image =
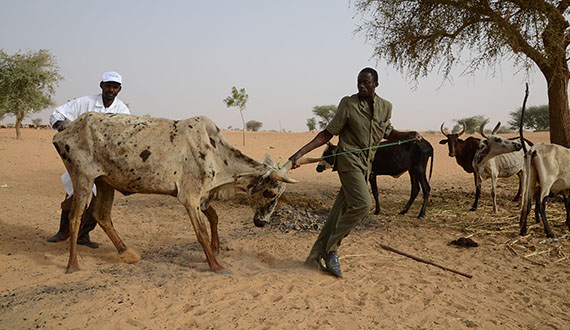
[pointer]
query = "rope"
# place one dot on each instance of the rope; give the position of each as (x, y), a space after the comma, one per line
(358, 150)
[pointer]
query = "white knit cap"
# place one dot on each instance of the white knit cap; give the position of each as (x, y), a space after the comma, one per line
(112, 76)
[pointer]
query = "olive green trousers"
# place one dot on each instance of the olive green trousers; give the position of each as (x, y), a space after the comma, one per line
(351, 205)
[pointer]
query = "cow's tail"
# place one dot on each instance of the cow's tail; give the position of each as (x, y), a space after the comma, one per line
(430, 166)
(527, 188)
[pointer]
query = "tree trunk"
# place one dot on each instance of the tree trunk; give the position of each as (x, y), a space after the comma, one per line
(558, 108)
(19, 118)
(243, 126)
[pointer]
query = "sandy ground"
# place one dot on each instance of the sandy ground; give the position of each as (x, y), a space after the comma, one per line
(517, 283)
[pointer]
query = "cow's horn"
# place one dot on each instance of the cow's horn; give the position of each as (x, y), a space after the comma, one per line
(281, 176)
(307, 160)
(443, 131)
(482, 129)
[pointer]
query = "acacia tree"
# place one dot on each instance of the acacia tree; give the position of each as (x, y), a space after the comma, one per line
(534, 118)
(253, 125)
(27, 83)
(312, 124)
(418, 36)
(471, 124)
(325, 113)
(238, 99)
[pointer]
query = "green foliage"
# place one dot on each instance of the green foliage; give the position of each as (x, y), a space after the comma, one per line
(238, 99)
(325, 114)
(420, 36)
(536, 118)
(471, 124)
(312, 124)
(27, 83)
(253, 125)
(417, 35)
(37, 121)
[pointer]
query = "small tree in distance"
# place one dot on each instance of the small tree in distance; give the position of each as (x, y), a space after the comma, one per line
(37, 122)
(27, 83)
(238, 99)
(253, 125)
(312, 124)
(536, 118)
(471, 124)
(325, 113)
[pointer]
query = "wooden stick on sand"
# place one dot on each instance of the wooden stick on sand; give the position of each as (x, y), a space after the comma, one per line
(391, 249)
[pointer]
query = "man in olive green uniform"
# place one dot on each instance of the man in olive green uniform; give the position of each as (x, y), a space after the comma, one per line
(361, 121)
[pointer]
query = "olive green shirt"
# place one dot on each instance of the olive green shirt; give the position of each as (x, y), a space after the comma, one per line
(359, 128)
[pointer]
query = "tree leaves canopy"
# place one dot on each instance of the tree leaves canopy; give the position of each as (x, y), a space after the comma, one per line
(27, 81)
(536, 118)
(325, 114)
(311, 123)
(253, 125)
(471, 124)
(416, 36)
(237, 99)
(421, 36)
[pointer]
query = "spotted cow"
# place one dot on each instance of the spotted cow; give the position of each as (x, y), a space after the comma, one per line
(497, 157)
(187, 159)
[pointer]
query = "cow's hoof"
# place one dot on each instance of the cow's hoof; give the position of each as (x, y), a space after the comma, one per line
(71, 269)
(421, 216)
(473, 209)
(130, 256)
(58, 237)
(259, 223)
(550, 235)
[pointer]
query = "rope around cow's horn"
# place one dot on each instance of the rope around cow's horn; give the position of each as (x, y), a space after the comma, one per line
(308, 160)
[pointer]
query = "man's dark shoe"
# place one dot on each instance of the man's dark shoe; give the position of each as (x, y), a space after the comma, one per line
(332, 263)
(85, 240)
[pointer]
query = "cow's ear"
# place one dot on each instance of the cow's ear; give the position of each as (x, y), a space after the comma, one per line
(268, 161)
(443, 141)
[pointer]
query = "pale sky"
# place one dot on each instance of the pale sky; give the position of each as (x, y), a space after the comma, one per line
(180, 59)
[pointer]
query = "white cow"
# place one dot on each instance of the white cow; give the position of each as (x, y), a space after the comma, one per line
(546, 165)
(188, 159)
(497, 157)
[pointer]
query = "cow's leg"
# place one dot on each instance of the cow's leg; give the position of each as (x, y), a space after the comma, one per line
(82, 192)
(102, 207)
(201, 231)
(567, 206)
(527, 197)
(414, 191)
(494, 193)
(213, 219)
(547, 229)
(537, 214)
(518, 195)
(477, 193)
(374, 187)
(426, 190)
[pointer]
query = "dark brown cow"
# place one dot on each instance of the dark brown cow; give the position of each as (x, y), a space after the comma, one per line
(464, 152)
(395, 160)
